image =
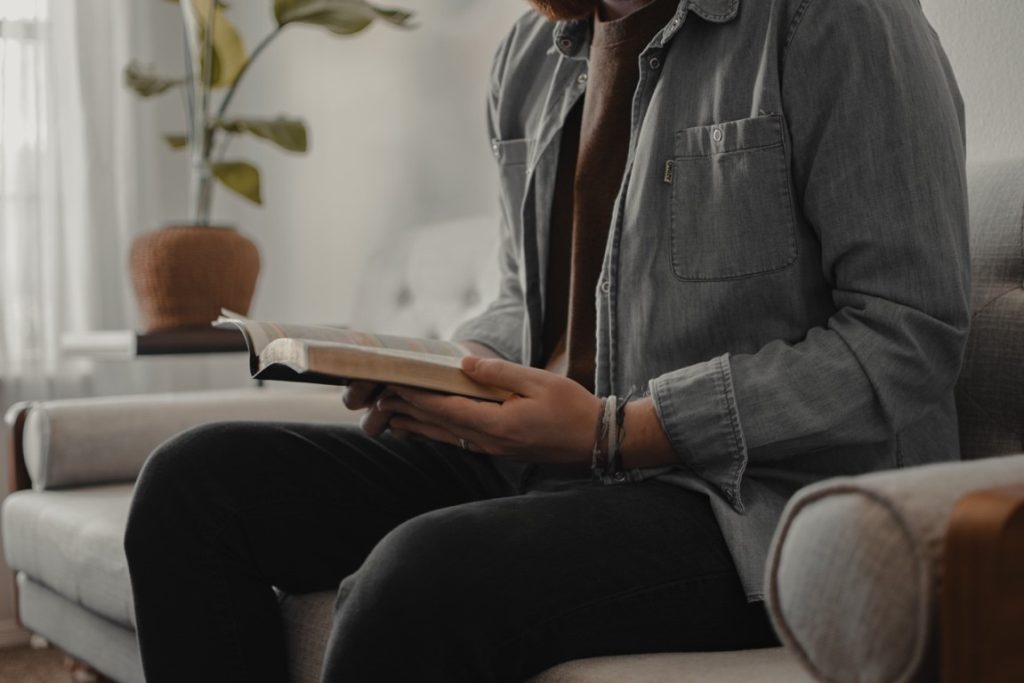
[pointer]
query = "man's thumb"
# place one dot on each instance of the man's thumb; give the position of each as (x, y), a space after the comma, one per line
(499, 373)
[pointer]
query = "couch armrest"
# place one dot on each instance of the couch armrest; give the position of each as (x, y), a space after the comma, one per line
(17, 473)
(983, 588)
(856, 567)
(76, 442)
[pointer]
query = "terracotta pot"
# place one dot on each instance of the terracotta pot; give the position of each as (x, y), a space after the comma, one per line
(183, 275)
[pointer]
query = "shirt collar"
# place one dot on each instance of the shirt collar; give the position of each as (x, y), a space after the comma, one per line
(571, 36)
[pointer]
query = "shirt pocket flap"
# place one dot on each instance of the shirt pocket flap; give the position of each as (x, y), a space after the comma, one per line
(511, 152)
(729, 136)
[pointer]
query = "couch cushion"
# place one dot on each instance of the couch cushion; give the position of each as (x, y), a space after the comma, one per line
(307, 626)
(990, 392)
(71, 542)
(426, 281)
(307, 620)
(74, 442)
(771, 665)
(108, 647)
(853, 575)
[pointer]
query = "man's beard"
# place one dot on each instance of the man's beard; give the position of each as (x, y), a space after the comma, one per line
(562, 10)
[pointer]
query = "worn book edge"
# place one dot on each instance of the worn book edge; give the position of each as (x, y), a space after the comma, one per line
(328, 362)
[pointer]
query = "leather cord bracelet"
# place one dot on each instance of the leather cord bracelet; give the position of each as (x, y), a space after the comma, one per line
(606, 462)
(598, 458)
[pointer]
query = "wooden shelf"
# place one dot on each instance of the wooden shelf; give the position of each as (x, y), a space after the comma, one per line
(194, 340)
(126, 344)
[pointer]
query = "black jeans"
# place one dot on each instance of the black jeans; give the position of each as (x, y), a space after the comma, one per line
(452, 566)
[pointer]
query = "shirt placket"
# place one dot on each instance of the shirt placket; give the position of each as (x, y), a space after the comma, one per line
(569, 84)
(651, 61)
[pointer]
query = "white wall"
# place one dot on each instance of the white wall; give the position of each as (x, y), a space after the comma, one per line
(984, 42)
(397, 137)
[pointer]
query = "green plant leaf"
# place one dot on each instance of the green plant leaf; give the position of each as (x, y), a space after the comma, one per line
(176, 140)
(145, 82)
(287, 133)
(229, 53)
(342, 17)
(240, 177)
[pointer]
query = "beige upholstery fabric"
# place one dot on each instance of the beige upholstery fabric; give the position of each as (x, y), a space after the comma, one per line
(854, 569)
(430, 279)
(307, 626)
(772, 665)
(990, 393)
(110, 648)
(307, 620)
(72, 543)
(98, 440)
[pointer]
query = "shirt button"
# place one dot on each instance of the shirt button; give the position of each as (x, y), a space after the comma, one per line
(605, 286)
(717, 135)
(620, 476)
(582, 79)
(565, 44)
(655, 63)
(494, 147)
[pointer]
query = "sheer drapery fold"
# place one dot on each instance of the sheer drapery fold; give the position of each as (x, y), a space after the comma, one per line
(64, 183)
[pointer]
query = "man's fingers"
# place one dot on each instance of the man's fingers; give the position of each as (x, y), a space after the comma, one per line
(402, 424)
(410, 425)
(502, 374)
(397, 405)
(374, 421)
(360, 394)
(442, 410)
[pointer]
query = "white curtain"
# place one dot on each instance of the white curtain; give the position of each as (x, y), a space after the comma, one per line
(65, 185)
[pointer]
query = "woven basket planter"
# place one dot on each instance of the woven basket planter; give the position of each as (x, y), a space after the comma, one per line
(184, 275)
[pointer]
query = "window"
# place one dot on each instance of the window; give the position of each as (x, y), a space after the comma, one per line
(26, 173)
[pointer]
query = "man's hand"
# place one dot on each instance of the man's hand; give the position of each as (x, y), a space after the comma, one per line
(549, 418)
(360, 394)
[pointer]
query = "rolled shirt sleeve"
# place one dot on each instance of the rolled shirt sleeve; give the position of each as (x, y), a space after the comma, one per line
(706, 433)
(876, 131)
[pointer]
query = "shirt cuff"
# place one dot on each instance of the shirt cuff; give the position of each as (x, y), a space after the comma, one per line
(697, 409)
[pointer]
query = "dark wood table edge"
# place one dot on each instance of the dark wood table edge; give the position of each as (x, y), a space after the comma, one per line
(191, 340)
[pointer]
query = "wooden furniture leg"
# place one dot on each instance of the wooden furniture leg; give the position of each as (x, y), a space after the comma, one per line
(983, 589)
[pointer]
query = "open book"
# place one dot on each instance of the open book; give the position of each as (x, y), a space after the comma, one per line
(335, 355)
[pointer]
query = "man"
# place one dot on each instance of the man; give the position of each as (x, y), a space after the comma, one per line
(753, 213)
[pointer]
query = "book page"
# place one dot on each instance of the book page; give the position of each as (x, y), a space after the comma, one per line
(261, 333)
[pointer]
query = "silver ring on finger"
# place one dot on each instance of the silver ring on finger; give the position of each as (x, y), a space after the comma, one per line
(463, 444)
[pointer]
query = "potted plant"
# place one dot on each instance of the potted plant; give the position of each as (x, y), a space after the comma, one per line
(184, 274)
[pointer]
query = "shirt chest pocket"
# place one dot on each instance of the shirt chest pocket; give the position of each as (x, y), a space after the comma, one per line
(732, 212)
(511, 156)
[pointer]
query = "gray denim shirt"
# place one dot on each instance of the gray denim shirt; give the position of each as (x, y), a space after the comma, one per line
(787, 268)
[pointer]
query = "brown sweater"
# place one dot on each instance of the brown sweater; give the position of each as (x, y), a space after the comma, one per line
(592, 159)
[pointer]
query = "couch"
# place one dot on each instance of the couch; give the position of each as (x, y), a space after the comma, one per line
(892, 576)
